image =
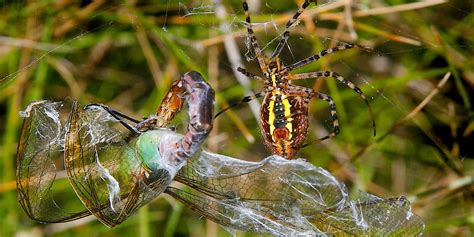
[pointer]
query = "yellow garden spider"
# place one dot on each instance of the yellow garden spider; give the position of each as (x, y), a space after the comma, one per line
(284, 112)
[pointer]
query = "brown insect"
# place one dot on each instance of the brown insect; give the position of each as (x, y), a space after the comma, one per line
(284, 112)
(98, 156)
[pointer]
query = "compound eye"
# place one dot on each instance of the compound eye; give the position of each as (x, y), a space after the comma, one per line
(266, 74)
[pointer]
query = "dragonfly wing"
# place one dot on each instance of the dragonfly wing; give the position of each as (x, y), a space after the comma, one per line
(270, 196)
(234, 213)
(39, 152)
(371, 216)
(104, 168)
(293, 193)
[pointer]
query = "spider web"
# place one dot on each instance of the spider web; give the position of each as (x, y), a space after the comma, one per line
(272, 29)
(389, 40)
(268, 33)
(107, 176)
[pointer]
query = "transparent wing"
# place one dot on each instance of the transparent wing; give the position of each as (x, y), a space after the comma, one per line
(287, 196)
(370, 215)
(236, 214)
(275, 196)
(39, 165)
(104, 167)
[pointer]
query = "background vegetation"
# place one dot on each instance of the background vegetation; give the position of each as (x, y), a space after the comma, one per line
(126, 53)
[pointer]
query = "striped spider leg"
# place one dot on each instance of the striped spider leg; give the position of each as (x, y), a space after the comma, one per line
(253, 40)
(289, 24)
(308, 95)
(262, 59)
(316, 57)
(339, 78)
(284, 111)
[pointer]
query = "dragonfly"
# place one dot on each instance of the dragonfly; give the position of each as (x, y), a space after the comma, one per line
(115, 164)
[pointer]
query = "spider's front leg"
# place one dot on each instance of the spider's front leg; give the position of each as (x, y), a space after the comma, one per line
(253, 40)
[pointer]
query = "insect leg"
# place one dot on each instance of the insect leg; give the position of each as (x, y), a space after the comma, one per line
(308, 94)
(112, 112)
(117, 115)
(288, 26)
(249, 74)
(325, 52)
(253, 39)
(244, 100)
(335, 121)
(341, 79)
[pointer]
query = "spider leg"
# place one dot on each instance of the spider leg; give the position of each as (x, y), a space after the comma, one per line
(308, 94)
(334, 119)
(246, 99)
(253, 39)
(323, 53)
(288, 26)
(341, 79)
(249, 74)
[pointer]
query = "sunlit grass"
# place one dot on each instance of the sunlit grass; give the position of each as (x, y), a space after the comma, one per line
(126, 55)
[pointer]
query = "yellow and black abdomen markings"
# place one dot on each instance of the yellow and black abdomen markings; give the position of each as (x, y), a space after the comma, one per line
(279, 118)
(284, 123)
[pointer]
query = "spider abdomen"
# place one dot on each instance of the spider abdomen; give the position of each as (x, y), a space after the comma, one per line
(284, 123)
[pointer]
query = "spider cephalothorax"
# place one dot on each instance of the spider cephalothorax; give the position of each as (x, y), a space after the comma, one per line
(284, 111)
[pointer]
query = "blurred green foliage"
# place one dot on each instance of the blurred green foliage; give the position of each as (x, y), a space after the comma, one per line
(126, 54)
